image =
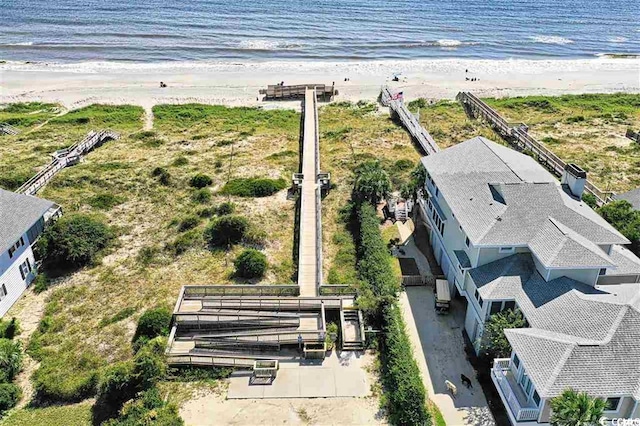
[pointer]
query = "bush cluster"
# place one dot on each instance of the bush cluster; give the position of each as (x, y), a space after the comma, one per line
(200, 181)
(163, 175)
(625, 219)
(74, 241)
(9, 329)
(201, 196)
(9, 396)
(188, 222)
(10, 364)
(253, 187)
(153, 323)
(148, 408)
(105, 201)
(401, 375)
(251, 264)
(226, 230)
(406, 396)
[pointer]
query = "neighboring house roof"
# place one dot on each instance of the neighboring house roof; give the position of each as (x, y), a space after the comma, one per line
(18, 213)
(502, 197)
(632, 196)
(626, 262)
(580, 336)
(463, 258)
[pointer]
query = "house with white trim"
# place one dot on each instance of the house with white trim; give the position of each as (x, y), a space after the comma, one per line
(509, 235)
(22, 220)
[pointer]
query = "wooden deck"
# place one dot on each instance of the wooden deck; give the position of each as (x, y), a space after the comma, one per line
(518, 136)
(298, 91)
(309, 253)
(398, 109)
(66, 157)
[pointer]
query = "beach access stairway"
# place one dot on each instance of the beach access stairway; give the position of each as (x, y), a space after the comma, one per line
(310, 241)
(8, 129)
(64, 158)
(393, 99)
(517, 135)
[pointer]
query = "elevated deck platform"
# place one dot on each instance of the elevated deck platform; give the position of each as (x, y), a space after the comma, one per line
(298, 91)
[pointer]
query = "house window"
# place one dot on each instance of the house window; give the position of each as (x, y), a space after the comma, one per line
(3, 291)
(495, 308)
(516, 361)
(15, 247)
(509, 304)
(536, 398)
(612, 404)
(478, 297)
(602, 271)
(25, 268)
(507, 249)
(467, 242)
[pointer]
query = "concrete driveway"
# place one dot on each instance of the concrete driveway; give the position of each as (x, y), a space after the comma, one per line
(439, 350)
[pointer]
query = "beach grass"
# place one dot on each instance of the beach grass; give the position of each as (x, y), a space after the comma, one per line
(67, 415)
(91, 314)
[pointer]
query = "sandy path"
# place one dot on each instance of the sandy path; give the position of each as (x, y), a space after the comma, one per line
(76, 85)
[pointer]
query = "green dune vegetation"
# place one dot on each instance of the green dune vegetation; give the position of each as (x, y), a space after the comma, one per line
(158, 198)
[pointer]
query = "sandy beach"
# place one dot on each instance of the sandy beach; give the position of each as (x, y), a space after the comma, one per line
(77, 85)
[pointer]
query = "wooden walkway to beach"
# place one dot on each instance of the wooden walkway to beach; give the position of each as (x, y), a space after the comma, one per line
(310, 250)
(66, 157)
(394, 101)
(518, 136)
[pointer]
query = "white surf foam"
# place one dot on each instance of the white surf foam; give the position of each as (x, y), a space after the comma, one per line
(551, 39)
(449, 43)
(618, 39)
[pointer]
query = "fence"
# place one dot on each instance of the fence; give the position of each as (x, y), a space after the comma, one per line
(199, 291)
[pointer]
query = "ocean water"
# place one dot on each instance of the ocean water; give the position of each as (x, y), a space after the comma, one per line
(330, 30)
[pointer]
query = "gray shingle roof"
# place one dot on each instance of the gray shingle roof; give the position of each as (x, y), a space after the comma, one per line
(17, 214)
(626, 262)
(463, 258)
(632, 196)
(557, 246)
(502, 197)
(582, 337)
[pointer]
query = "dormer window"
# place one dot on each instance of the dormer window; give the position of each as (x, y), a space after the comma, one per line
(15, 247)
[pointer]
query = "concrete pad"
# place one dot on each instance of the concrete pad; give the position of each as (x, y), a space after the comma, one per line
(317, 382)
(350, 384)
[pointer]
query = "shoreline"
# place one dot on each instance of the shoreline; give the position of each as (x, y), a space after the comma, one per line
(75, 85)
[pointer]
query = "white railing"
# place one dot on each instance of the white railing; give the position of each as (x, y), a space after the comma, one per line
(500, 368)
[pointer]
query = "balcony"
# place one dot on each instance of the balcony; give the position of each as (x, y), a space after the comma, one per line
(520, 409)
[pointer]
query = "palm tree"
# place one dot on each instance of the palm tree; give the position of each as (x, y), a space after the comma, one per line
(372, 182)
(572, 408)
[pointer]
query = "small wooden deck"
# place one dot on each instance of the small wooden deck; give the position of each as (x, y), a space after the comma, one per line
(64, 158)
(391, 98)
(298, 91)
(518, 136)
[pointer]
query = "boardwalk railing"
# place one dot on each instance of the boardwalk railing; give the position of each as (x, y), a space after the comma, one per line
(634, 136)
(517, 135)
(65, 157)
(200, 291)
(319, 258)
(395, 103)
(8, 129)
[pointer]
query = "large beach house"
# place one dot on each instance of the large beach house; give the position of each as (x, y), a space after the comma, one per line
(508, 235)
(22, 220)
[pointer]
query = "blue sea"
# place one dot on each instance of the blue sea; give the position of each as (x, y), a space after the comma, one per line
(241, 30)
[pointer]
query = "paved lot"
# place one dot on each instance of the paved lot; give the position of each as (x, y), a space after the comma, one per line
(337, 376)
(439, 350)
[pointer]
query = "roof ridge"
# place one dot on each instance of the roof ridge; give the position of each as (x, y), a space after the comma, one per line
(482, 139)
(559, 366)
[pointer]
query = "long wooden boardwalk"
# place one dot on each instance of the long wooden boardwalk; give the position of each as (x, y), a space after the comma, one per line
(66, 157)
(518, 136)
(310, 252)
(393, 100)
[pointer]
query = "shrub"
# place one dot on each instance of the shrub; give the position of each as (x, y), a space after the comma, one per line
(53, 382)
(494, 342)
(117, 384)
(201, 196)
(149, 364)
(9, 396)
(147, 255)
(74, 241)
(153, 323)
(180, 161)
(105, 201)
(225, 208)
(253, 187)
(10, 359)
(401, 375)
(184, 242)
(251, 264)
(41, 283)
(404, 164)
(9, 329)
(188, 222)
(200, 181)
(226, 230)
(207, 212)
(149, 408)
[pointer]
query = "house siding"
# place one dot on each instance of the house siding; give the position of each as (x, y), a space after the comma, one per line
(12, 279)
(587, 276)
